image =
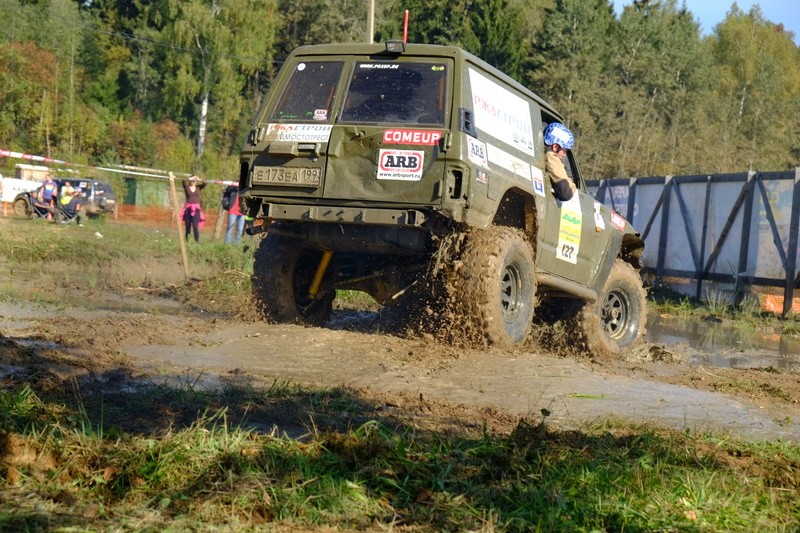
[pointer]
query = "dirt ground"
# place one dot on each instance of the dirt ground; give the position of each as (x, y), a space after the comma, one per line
(144, 335)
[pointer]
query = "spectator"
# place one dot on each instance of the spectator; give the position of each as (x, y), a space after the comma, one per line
(66, 193)
(193, 216)
(48, 194)
(73, 208)
(236, 218)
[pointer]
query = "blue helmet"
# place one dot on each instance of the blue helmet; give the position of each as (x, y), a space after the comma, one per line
(557, 133)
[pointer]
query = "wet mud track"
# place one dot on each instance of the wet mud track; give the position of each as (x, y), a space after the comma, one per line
(654, 386)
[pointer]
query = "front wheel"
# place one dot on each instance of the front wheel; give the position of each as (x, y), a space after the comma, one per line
(282, 275)
(495, 285)
(21, 208)
(616, 321)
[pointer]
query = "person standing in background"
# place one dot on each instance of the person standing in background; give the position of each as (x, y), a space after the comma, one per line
(193, 217)
(49, 193)
(230, 201)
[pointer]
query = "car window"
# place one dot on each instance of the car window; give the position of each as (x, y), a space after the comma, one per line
(309, 94)
(396, 92)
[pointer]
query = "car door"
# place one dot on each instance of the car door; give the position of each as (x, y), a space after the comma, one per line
(386, 143)
(575, 232)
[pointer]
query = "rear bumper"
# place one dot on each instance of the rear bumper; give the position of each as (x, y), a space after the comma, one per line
(409, 218)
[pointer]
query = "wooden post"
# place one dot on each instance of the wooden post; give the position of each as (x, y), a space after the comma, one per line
(177, 210)
(222, 219)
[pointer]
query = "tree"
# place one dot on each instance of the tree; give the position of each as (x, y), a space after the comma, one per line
(661, 74)
(493, 30)
(321, 21)
(570, 67)
(217, 44)
(758, 71)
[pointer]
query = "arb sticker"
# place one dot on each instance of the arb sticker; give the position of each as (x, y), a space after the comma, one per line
(404, 165)
(425, 138)
(477, 151)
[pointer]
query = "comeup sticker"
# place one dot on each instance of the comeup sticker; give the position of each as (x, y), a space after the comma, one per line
(569, 230)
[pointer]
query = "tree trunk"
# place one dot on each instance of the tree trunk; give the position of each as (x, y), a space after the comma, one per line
(201, 130)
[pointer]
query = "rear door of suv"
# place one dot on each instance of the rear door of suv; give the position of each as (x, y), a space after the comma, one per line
(386, 142)
(356, 128)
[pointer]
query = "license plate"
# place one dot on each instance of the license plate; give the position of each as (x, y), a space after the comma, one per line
(290, 176)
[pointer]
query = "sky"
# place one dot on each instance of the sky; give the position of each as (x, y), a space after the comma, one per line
(709, 13)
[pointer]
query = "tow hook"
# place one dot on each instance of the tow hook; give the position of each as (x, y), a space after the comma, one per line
(320, 273)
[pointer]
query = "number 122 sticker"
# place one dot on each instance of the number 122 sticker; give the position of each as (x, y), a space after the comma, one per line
(569, 231)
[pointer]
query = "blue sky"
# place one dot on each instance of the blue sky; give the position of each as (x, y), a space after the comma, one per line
(711, 12)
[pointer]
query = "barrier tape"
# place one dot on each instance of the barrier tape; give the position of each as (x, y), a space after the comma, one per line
(121, 169)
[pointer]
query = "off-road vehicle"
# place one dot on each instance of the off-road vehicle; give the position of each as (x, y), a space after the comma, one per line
(97, 197)
(415, 173)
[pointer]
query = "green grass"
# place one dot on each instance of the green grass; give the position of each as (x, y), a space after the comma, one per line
(100, 242)
(746, 317)
(186, 457)
(213, 471)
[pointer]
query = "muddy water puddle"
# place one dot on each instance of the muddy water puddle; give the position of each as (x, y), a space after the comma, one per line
(726, 346)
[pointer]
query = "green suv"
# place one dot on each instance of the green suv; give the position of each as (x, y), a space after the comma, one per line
(415, 173)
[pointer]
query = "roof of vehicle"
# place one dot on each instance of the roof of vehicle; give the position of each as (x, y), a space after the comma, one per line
(77, 179)
(378, 51)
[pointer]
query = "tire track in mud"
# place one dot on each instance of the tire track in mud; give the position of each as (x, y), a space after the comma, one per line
(521, 382)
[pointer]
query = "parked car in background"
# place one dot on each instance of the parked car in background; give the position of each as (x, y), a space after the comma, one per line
(98, 197)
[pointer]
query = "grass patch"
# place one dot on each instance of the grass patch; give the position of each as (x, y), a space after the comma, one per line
(207, 459)
(747, 317)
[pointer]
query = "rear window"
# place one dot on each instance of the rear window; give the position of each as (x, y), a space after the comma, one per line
(309, 94)
(102, 187)
(396, 93)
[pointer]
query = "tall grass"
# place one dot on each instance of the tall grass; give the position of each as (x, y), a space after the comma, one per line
(216, 471)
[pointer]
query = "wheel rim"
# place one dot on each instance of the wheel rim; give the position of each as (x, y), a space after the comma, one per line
(616, 315)
(510, 289)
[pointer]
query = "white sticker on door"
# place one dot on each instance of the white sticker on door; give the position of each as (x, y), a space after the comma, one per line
(403, 165)
(569, 230)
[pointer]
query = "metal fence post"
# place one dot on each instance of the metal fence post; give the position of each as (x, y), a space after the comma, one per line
(791, 263)
(704, 238)
(664, 232)
(631, 199)
(744, 247)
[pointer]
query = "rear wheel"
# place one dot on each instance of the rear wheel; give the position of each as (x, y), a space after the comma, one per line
(616, 321)
(21, 208)
(495, 285)
(282, 274)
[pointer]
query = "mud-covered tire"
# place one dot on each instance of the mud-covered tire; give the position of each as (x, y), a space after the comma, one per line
(495, 286)
(22, 209)
(282, 273)
(616, 322)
